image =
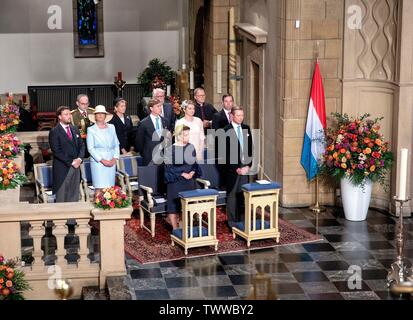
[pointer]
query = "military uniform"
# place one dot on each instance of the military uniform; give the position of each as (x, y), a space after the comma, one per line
(82, 122)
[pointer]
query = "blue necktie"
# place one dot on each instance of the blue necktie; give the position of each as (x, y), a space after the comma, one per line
(158, 127)
(240, 137)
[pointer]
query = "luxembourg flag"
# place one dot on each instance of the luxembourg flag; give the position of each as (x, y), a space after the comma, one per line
(314, 141)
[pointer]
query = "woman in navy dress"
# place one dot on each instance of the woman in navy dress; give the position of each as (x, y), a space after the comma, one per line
(181, 171)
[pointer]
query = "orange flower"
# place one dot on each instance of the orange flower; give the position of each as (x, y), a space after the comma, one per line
(372, 168)
(342, 150)
(5, 292)
(367, 151)
(344, 166)
(335, 155)
(1, 280)
(366, 140)
(348, 156)
(371, 145)
(10, 275)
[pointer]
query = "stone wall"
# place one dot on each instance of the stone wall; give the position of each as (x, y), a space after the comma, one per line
(320, 31)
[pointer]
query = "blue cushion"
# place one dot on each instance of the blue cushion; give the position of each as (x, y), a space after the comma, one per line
(46, 176)
(178, 232)
(241, 225)
(198, 193)
(257, 186)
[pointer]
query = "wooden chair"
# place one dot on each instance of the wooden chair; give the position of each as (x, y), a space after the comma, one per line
(43, 178)
(153, 197)
(258, 199)
(128, 167)
(195, 231)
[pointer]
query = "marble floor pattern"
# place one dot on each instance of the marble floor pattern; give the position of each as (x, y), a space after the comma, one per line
(311, 271)
(315, 271)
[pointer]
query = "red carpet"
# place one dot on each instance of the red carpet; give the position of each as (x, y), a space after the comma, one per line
(141, 246)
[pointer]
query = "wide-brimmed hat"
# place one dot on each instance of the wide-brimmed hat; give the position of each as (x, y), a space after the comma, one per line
(100, 109)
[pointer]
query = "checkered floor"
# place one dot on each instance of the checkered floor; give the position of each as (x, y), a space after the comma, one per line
(310, 271)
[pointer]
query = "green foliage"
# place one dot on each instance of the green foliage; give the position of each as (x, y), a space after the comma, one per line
(159, 69)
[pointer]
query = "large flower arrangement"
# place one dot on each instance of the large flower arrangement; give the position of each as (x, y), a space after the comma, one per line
(10, 177)
(12, 282)
(111, 198)
(156, 75)
(10, 146)
(357, 150)
(9, 118)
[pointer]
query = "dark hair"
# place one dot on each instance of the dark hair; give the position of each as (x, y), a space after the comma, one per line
(153, 102)
(227, 95)
(236, 108)
(117, 101)
(186, 128)
(60, 110)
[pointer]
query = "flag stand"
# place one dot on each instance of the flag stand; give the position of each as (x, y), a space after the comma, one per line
(316, 208)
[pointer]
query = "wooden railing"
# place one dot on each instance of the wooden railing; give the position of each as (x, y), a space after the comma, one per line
(83, 272)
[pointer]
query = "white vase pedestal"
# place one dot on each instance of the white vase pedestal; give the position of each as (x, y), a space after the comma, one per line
(356, 199)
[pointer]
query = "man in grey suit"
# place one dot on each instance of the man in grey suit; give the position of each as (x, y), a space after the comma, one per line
(167, 111)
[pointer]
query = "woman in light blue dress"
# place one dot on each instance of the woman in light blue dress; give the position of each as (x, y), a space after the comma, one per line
(103, 146)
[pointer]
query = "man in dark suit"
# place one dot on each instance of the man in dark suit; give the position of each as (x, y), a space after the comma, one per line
(167, 111)
(150, 135)
(219, 121)
(203, 110)
(223, 118)
(238, 160)
(68, 152)
(123, 125)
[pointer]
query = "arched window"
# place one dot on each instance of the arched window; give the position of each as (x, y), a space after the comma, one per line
(88, 28)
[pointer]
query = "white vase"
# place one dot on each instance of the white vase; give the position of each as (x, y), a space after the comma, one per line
(356, 199)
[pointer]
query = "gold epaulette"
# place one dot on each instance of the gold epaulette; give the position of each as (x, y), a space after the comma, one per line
(73, 111)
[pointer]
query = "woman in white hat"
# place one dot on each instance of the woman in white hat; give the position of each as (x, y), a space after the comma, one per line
(103, 146)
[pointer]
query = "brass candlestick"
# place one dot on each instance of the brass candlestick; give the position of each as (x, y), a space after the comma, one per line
(401, 269)
(120, 84)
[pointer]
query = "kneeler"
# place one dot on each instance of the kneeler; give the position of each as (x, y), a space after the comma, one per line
(197, 231)
(259, 199)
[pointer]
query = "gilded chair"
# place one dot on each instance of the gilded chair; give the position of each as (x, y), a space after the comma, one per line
(43, 177)
(153, 196)
(128, 167)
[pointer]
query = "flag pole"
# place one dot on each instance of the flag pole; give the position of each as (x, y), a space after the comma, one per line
(316, 208)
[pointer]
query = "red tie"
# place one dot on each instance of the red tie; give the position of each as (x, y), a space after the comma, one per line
(84, 114)
(69, 134)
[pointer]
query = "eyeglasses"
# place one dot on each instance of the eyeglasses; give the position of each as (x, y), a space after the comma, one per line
(162, 96)
(200, 95)
(84, 104)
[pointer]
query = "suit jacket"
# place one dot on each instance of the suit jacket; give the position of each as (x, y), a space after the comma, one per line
(77, 119)
(220, 120)
(143, 140)
(208, 113)
(234, 161)
(168, 115)
(124, 131)
(64, 152)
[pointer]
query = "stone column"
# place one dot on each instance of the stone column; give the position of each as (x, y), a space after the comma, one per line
(112, 249)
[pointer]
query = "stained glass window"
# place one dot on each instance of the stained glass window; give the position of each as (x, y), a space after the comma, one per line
(87, 22)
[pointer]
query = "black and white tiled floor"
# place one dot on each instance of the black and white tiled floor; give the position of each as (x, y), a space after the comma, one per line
(311, 271)
(307, 271)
